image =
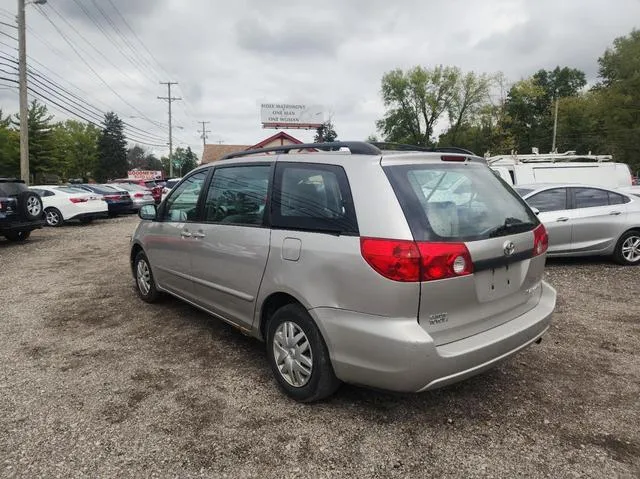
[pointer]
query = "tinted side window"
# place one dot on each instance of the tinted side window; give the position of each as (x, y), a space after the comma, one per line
(616, 199)
(313, 197)
(182, 205)
(549, 200)
(590, 197)
(238, 195)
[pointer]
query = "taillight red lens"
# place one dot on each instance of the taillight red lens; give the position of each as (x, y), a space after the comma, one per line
(138, 195)
(444, 260)
(408, 261)
(540, 240)
(78, 200)
(111, 197)
(453, 158)
(398, 260)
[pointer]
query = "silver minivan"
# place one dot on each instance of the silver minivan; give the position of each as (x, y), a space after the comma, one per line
(404, 271)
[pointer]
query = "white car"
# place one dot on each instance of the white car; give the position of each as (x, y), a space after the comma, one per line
(63, 203)
(168, 186)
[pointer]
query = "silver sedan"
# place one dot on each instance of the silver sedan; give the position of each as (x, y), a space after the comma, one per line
(587, 221)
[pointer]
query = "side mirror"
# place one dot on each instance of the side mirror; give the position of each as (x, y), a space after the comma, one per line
(148, 212)
(535, 210)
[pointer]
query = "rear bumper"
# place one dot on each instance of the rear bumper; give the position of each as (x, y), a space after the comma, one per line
(89, 216)
(121, 207)
(397, 354)
(20, 225)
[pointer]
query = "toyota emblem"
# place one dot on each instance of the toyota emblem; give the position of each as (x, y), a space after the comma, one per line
(509, 248)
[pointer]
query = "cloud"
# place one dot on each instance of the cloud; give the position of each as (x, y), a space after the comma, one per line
(229, 56)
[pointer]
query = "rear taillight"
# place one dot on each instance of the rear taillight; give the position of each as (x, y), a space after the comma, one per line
(394, 259)
(540, 240)
(408, 261)
(444, 260)
(78, 200)
(111, 197)
(138, 195)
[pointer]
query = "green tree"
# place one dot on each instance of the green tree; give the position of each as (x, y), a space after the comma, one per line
(75, 149)
(415, 100)
(184, 160)
(136, 157)
(41, 143)
(9, 148)
(530, 105)
(112, 149)
(620, 98)
(469, 97)
(325, 133)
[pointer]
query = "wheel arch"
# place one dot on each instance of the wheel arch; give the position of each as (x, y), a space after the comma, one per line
(270, 305)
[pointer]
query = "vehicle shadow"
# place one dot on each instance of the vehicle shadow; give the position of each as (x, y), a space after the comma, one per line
(490, 390)
(582, 261)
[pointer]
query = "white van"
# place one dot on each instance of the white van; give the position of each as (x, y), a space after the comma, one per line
(561, 168)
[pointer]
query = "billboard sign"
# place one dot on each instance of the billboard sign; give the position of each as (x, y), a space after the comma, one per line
(291, 115)
(144, 175)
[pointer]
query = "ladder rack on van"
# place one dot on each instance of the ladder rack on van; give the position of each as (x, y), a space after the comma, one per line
(569, 156)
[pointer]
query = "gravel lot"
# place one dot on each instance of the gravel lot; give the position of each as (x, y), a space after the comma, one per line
(96, 383)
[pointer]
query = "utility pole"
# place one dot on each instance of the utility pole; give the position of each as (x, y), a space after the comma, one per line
(24, 102)
(204, 132)
(170, 99)
(555, 124)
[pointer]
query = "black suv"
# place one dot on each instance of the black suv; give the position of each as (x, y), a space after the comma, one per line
(20, 210)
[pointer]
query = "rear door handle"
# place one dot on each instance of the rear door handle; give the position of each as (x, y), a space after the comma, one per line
(199, 235)
(615, 213)
(185, 234)
(563, 219)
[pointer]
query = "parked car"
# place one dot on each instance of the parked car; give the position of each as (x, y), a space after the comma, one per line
(347, 269)
(584, 220)
(634, 190)
(118, 201)
(569, 167)
(140, 195)
(156, 190)
(63, 203)
(168, 186)
(21, 210)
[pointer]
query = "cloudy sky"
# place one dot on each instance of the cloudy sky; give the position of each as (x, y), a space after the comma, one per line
(230, 56)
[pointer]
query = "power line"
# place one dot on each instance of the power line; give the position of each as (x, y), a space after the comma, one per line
(78, 101)
(93, 70)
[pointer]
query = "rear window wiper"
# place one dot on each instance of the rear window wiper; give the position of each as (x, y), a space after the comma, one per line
(511, 225)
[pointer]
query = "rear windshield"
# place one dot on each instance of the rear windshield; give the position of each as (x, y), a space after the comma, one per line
(523, 191)
(11, 188)
(464, 202)
(67, 189)
(150, 184)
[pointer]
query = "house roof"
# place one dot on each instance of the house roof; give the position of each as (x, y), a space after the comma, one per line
(215, 152)
(281, 135)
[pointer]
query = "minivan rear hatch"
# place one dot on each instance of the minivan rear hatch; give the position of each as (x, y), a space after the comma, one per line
(481, 247)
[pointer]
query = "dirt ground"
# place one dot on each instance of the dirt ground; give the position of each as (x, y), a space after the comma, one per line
(96, 383)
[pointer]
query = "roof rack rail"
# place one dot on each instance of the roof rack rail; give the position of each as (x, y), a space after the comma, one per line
(355, 147)
(386, 145)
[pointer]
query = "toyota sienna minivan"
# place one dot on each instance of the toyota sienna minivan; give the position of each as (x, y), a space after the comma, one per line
(399, 270)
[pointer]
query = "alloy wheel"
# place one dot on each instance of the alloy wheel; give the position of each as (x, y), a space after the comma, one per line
(631, 249)
(143, 275)
(292, 353)
(53, 218)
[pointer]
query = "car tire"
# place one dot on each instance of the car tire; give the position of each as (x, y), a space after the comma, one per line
(298, 355)
(53, 217)
(30, 206)
(627, 250)
(17, 236)
(145, 283)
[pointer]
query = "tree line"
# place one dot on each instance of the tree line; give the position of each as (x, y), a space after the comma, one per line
(484, 115)
(69, 150)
